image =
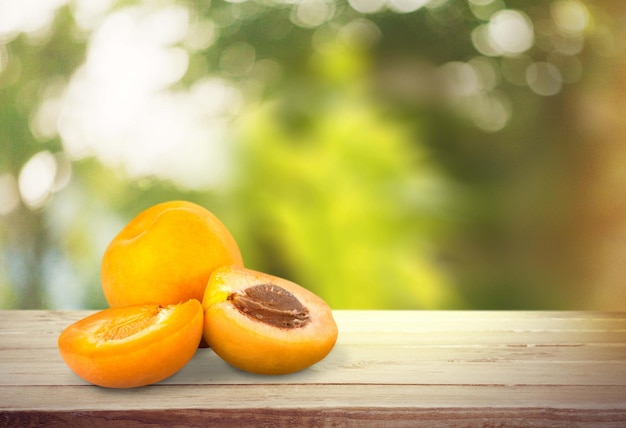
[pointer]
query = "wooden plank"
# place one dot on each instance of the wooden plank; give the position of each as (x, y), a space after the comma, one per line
(460, 368)
(374, 365)
(312, 405)
(506, 355)
(336, 417)
(408, 328)
(297, 396)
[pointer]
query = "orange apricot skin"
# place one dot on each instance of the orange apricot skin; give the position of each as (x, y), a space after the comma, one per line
(165, 255)
(148, 357)
(256, 347)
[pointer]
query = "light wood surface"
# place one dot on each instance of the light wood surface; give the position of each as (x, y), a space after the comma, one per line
(388, 368)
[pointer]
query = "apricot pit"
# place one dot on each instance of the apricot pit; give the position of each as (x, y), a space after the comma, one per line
(272, 305)
(265, 324)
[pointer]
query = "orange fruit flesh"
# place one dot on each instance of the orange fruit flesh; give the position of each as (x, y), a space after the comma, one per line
(258, 347)
(132, 346)
(243, 346)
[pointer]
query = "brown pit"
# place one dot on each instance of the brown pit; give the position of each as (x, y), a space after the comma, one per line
(272, 305)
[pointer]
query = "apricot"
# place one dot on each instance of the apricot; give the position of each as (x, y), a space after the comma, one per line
(165, 255)
(265, 324)
(132, 346)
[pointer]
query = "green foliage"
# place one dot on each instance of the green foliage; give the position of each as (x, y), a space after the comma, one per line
(342, 198)
(387, 158)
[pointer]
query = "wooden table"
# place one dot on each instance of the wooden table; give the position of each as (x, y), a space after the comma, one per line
(389, 368)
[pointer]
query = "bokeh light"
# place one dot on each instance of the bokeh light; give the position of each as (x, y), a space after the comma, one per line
(570, 16)
(9, 194)
(368, 6)
(407, 6)
(312, 13)
(36, 179)
(510, 32)
(120, 108)
(31, 17)
(544, 78)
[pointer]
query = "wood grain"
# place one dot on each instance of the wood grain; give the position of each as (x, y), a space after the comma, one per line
(389, 368)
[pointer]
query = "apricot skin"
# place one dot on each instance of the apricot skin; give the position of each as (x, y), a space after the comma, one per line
(257, 347)
(165, 255)
(148, 355)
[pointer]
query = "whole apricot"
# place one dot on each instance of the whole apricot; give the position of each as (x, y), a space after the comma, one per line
(265, 324)
(132, 346)
(165, 255)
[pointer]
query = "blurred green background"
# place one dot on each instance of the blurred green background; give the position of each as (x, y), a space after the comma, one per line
(459, 154)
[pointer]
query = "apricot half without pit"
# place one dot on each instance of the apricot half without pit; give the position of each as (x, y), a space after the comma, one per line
(265, 324)
(132, 346)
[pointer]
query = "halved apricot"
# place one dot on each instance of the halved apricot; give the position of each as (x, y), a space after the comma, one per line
(165, 255)
(132, 346)
(265, 324)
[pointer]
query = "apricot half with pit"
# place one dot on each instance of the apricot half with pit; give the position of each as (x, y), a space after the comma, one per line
(132, 346)
(264, 324)
(165, 255)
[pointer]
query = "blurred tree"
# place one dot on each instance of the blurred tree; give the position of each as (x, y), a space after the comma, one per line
(383, 153)
(31, 66)
(339, 196)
